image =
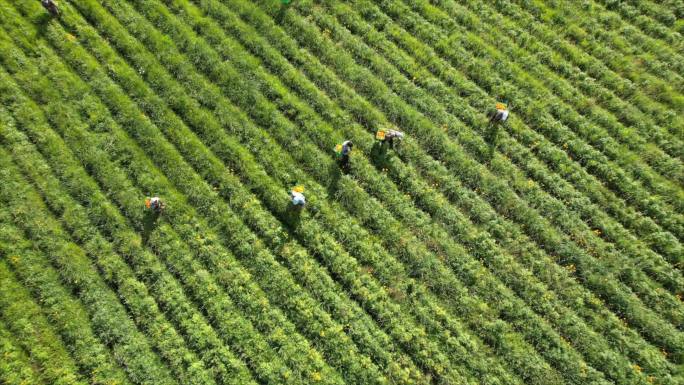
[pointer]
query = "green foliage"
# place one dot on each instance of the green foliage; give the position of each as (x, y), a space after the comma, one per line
(545, 252)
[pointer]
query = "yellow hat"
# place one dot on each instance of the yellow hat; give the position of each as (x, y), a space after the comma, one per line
(500, 106)
(380, 135)
(298, 189)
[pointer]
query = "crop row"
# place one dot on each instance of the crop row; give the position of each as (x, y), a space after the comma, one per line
(144, 366)
(273, 194)
(636, 13)
(307, 234)
(664, 272)
(571, 49)
(557, 186)
(66, 314)
(200, 335)
(244, 302)
(640, 59)
(224, 18)
(623, 129)
(456, 50)
(177, 39)
(15, 367)
(29, 327)
(365, 79)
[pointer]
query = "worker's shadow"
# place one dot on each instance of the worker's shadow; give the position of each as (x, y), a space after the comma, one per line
(281, 13)
(149, 224)
(42, 23)
(293, 216)
(380, 155)
(334, 175)
(491, 136)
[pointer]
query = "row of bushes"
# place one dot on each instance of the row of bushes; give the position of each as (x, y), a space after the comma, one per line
(348, 67)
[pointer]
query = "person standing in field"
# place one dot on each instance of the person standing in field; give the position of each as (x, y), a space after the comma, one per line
(50, 6)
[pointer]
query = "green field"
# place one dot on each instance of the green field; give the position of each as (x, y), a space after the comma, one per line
(548, 250)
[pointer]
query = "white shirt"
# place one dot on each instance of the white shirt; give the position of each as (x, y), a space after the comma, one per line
(504, 115)
(298, 198)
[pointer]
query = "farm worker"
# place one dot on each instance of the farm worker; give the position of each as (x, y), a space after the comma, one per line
(343, 151)
(154, 204)
(297, 196)
(389, 136)
(51, 6)
(500, 115)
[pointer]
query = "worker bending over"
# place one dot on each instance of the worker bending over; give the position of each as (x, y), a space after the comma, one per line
(297, 197)
(155, 204)
(343, 152)
(51, 6)
(389, 136)
(500, 115)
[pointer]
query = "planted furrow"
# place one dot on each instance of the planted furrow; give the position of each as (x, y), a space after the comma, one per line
(274, 335)
(449, 156)
(157, 49)
(177, 39)
(26, 323)
(231, 50)
(66, 313)
(662, 272)
(144, 367)
(456, 48)
(275, 194)
(15, 366)
(145, 313)
(587, 68)
(637, 15)
(353, 103)
(199, 334)
(671, 302)
(603, 32)
(617, 136)
(593, 126)
(337, 116)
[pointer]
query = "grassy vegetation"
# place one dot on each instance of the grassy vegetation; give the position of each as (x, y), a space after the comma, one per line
(545, 251)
